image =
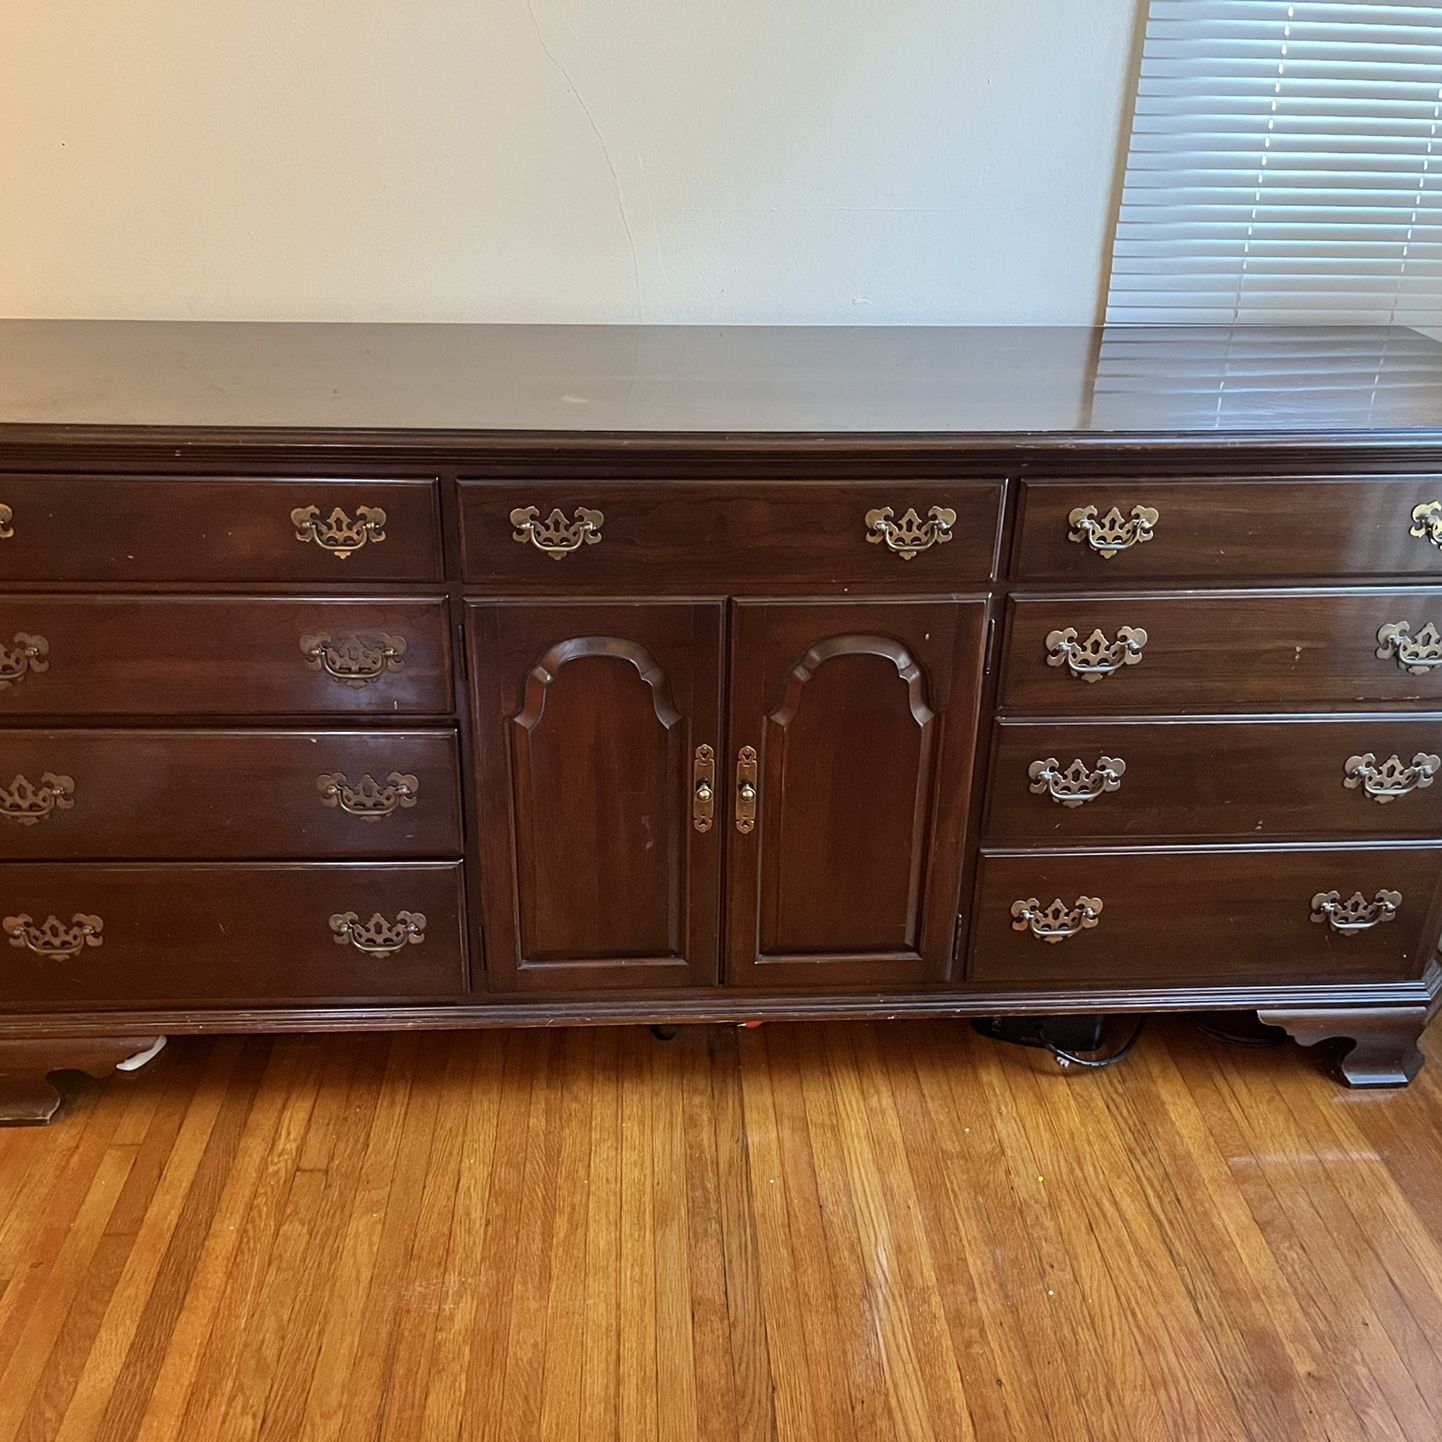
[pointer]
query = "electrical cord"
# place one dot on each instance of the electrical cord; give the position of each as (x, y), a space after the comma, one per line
(1264, 1038)
(1034, 1035)
(1260, 1041)
(1070, 1058)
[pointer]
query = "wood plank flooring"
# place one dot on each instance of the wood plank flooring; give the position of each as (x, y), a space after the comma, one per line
(807, 1233)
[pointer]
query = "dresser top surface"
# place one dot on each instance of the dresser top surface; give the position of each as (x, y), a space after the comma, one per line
(708, 381)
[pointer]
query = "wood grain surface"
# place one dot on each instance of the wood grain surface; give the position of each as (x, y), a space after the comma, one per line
(819, 1232)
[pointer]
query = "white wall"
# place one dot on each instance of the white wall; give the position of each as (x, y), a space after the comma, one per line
(659, 160)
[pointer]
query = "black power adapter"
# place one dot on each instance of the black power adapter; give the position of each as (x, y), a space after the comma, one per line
(1065, 1037)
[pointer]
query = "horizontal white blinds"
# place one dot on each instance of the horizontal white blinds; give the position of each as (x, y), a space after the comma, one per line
(1285, 165)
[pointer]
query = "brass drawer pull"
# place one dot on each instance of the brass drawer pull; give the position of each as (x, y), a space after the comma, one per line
(746, 792)
(367, 799)
(337, 533)
(1113, 532)
(24, 802)
(1057, 921)
(1096, 656)
(56, 940)
(703, 793)
(1417, 654)
(557, 536)
(24, 655)
(1356, 913)
(6, 529)
(1427, 522)
(379, 937)
(1079, 783)
(355, 660)
(1391, 779)
(910, 534)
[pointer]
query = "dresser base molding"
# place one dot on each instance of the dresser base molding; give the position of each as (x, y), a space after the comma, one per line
(726, 1009)
(1380, 1042)
(728, 1006)
(27, 1094)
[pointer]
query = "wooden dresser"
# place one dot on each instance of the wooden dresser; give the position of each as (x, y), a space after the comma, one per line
(406, 676)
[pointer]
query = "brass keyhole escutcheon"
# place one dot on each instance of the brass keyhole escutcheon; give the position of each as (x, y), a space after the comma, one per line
(703, 788)
(746, 789)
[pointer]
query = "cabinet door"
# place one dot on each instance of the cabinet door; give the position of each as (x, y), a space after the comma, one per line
(862, 717)
(588, 719)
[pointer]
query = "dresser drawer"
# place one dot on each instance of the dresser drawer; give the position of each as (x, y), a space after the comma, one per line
(1183, 918)
(222, 795)
(254, 935)
(1120, 780)
(149, 528)
(569, 536)
(239, 656)
(1223, 651)
(1127, 530)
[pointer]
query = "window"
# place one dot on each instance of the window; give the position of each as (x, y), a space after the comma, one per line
(1285, 166)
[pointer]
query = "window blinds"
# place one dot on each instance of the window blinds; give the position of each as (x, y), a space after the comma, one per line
(1285, 165)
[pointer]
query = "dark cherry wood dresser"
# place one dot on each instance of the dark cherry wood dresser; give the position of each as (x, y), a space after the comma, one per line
(408, 676)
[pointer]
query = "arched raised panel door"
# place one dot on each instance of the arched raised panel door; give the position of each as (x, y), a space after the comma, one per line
(862, 716)
(593, 870)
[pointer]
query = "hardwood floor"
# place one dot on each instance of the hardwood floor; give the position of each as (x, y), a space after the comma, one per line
(798, 1232)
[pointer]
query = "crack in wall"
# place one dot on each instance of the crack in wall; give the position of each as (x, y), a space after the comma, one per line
(616, 185)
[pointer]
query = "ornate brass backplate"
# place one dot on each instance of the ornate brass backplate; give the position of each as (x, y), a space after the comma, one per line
(367, 798)
(746, 789)
(337, 533)
(1079, 783)
(1113, 532)
(1392, 778)
(26, 802)
(56, 940)
(24, 655)
(1096, 656)
(703, 788)
(557, 536)
(1427, 522)
(1057, 921)
(1417, 654)
(379, 937)
(6, 529)
(355, 660)
(1356, 913)
(910, 535)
